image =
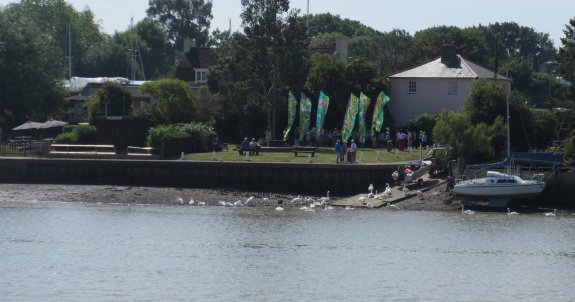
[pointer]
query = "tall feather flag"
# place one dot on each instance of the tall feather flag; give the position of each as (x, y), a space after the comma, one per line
(377, 121)
(322, 106)
(364, 101)
(292, 110)
(349, 119)
(304, 115)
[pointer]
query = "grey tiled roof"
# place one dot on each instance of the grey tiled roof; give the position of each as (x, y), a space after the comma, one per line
(461, 68)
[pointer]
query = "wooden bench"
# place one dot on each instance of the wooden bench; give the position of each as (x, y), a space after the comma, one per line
(82, 149)
(304, 150)
(242, 151)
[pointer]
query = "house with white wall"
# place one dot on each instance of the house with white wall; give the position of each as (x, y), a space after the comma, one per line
(434, 86)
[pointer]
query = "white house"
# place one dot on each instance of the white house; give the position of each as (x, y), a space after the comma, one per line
(440, 84)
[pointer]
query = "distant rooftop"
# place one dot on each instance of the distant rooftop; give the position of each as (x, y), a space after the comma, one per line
(459, 67)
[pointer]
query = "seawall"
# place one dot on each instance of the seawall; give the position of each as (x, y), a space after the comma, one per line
(265, 177)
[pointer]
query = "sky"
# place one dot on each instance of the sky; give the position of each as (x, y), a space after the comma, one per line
(548, 16)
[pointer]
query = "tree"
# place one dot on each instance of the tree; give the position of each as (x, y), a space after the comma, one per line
(470, 142)
(30, 70)
(172, 102)
(183, 19)
(567, 56)
(277, 53)
(110, 100)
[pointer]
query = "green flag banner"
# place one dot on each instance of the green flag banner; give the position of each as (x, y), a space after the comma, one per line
(364, 101)
(292, 110)
(377, 121)
(322, 106)
(304, 115)
(349, 120)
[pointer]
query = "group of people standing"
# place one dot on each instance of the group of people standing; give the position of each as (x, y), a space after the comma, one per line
(341, 151)
(403, 139)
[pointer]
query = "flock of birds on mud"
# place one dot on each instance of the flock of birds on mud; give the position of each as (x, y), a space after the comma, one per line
(304, 203)
(310, 204)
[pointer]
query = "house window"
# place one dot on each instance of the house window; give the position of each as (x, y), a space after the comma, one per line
(201, 76)
(412, 87)
(452, 88)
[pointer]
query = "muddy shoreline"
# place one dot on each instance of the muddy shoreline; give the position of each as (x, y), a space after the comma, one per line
(436, 199)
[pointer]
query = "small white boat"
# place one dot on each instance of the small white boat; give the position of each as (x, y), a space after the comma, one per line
(500, 187)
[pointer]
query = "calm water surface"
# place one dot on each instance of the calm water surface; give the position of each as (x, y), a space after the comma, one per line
(92, 252)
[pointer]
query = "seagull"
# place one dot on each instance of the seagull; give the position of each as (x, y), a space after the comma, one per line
(370, 188)
(551, 214)
(369, 205)
(463, 211)
(266, 201)
(511, 213)
(392, 207)
(349, 208)
(362, 199)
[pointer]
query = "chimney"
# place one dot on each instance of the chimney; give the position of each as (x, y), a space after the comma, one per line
(189, 43)
(448, 54)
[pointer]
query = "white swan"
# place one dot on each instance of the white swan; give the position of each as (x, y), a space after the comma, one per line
(369, 205)
(298, 200)
(325, 199)
(387, 191)
(511, 213)
(250, 201)
(201, 203)
(405, 190)
(266, 201)
(362, 199)
(192, 202)
(180, 200)
(370, 188)
(279, 208)
(238, 203)
(349, 208)
(392, 207)
(551, 214)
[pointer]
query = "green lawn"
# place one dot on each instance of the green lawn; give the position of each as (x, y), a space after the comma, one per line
(322, 156)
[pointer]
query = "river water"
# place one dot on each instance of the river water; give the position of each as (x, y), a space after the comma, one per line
(52, 251)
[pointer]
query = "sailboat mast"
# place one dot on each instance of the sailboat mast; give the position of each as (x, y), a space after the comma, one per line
(508, 117)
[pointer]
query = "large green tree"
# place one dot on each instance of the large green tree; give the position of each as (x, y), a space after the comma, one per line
(172, 102)
(183, 19)
(567, 56)
(263, 63)
(30, 69)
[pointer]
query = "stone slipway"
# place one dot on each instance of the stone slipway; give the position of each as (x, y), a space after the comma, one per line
(397, 194)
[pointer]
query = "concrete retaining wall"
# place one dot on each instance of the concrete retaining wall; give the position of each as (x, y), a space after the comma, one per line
(265, 177)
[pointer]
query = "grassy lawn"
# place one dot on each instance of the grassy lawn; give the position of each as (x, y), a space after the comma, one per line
(322, 156)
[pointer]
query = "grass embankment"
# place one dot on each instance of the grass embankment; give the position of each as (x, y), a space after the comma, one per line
(324, 155)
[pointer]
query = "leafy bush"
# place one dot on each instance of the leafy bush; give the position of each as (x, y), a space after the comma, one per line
(80, 134)
(86, 134)
(176, 138)
(66, 138)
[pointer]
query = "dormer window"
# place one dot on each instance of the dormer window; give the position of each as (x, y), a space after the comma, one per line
(201, 75)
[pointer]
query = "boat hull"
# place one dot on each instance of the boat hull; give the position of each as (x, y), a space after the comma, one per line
(507, 191)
